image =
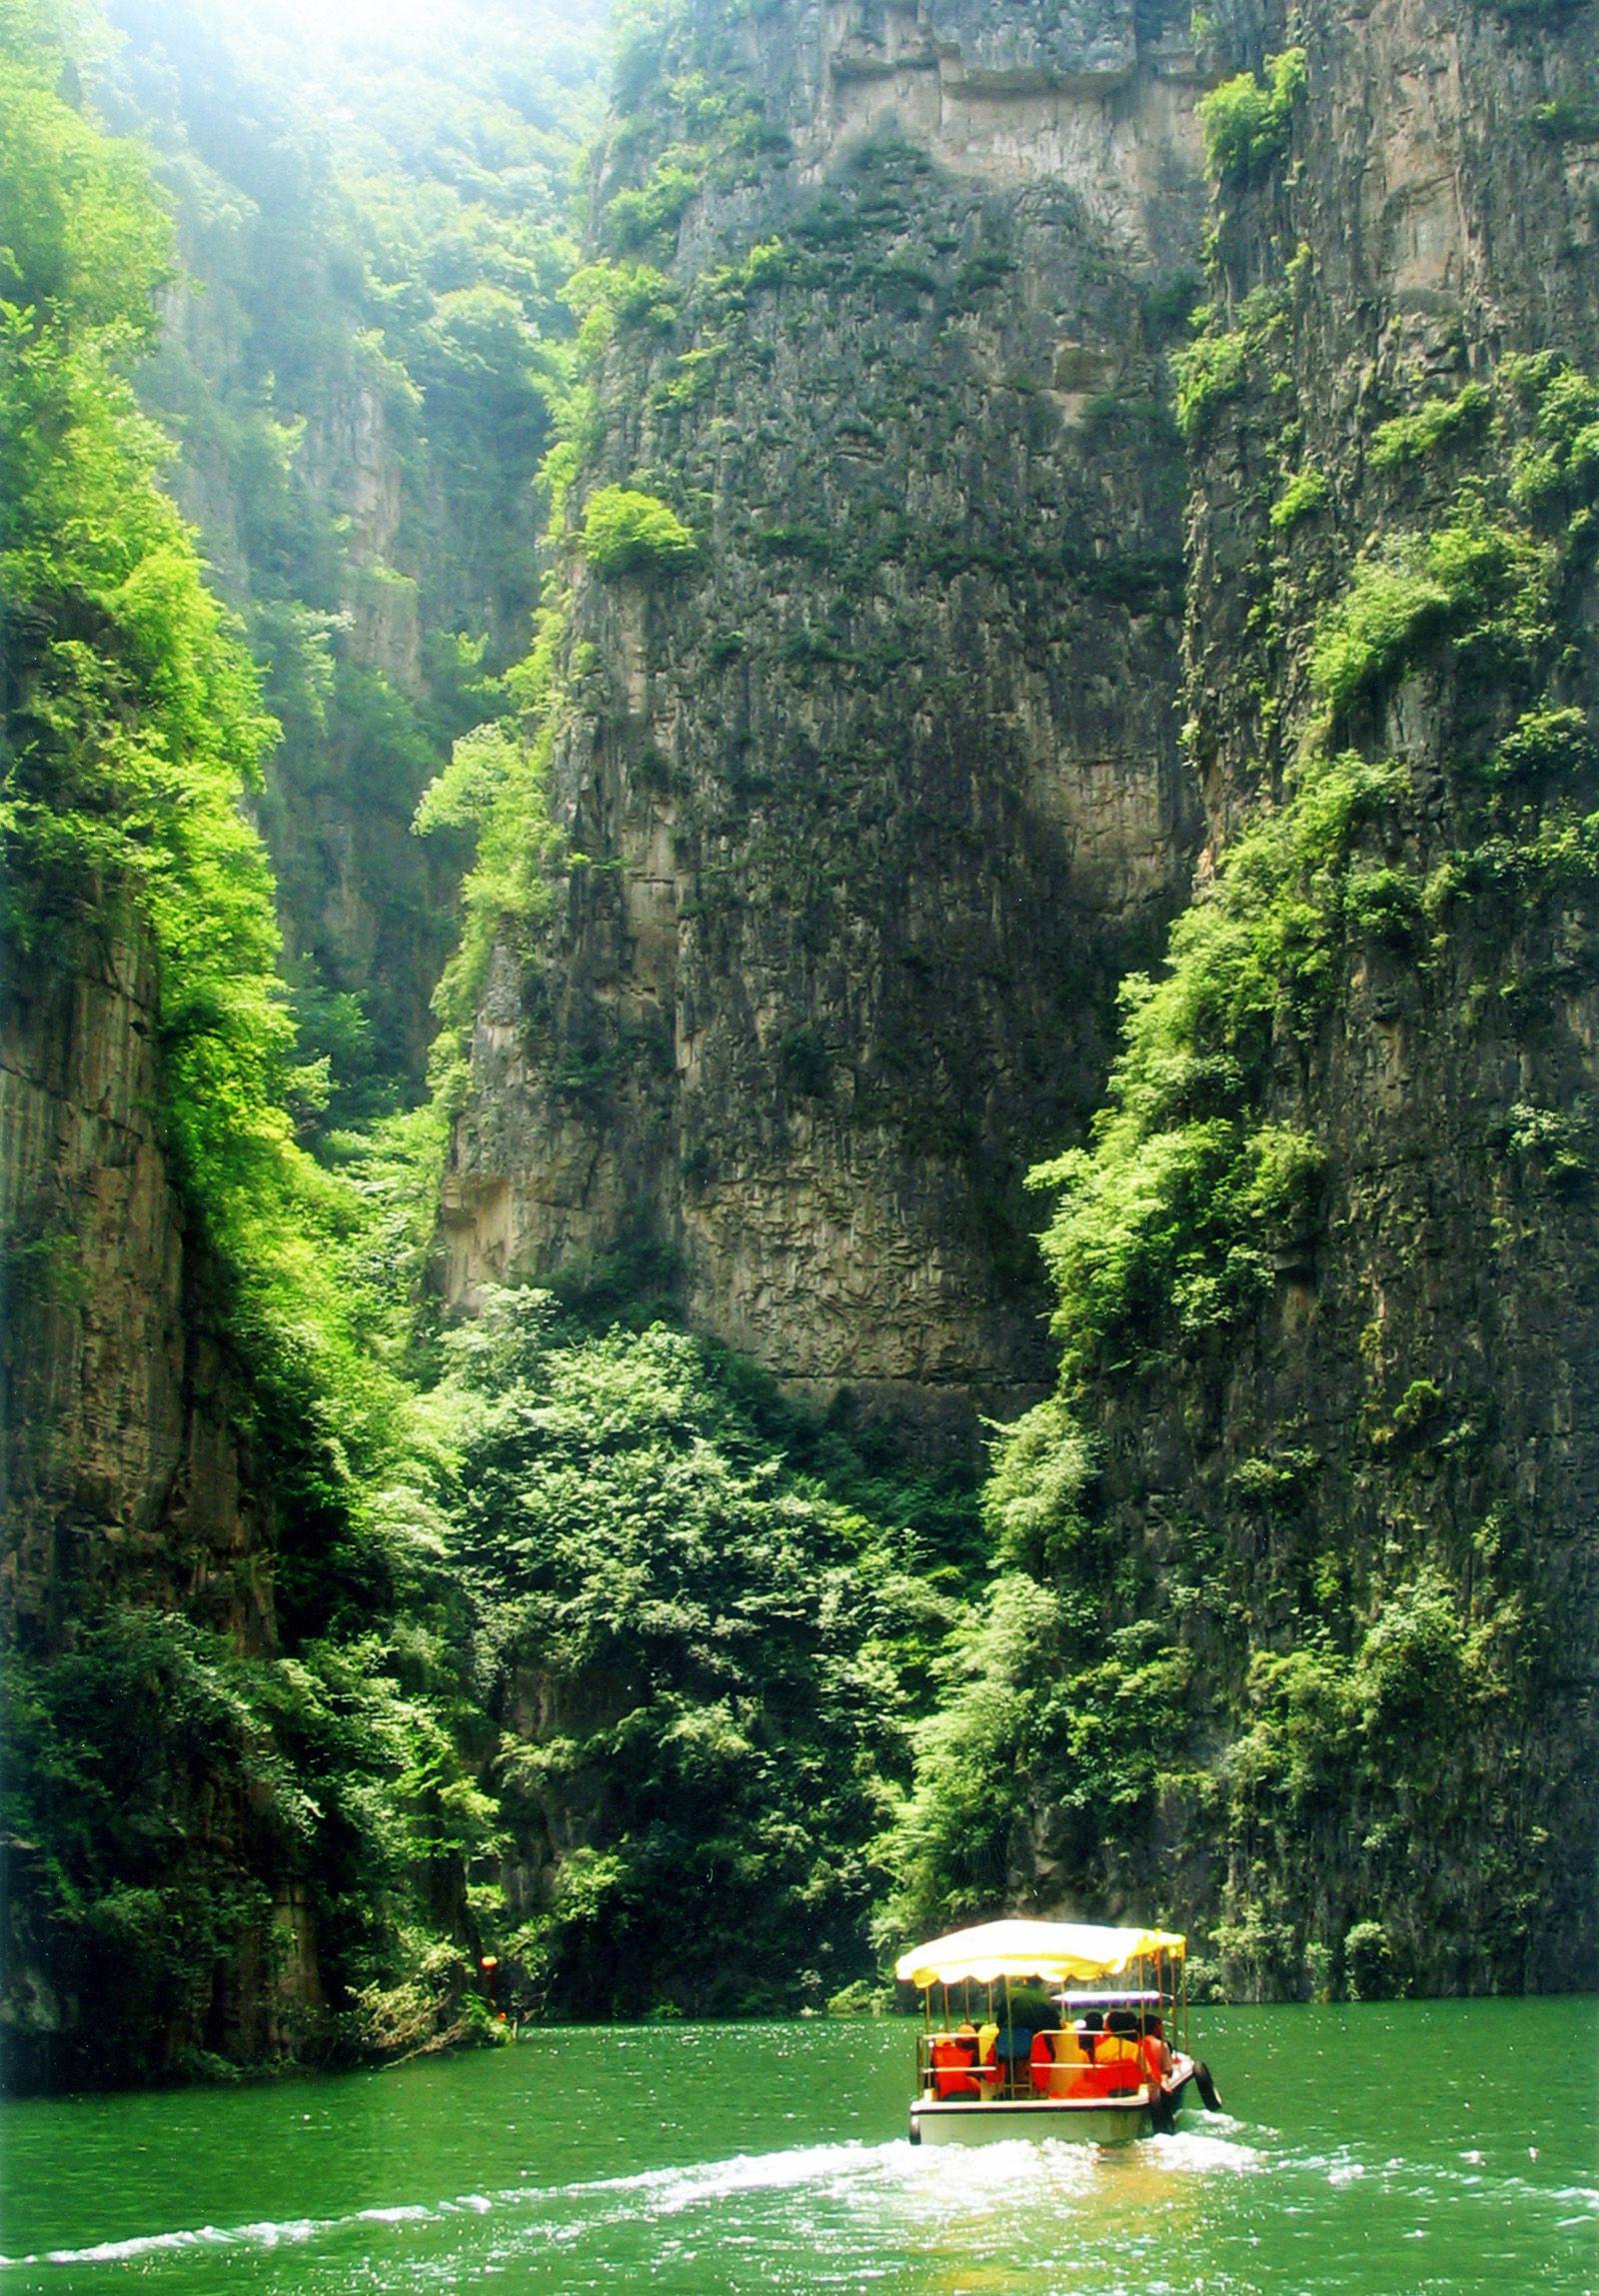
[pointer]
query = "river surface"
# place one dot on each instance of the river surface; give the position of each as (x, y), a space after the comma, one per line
(1395, 2150)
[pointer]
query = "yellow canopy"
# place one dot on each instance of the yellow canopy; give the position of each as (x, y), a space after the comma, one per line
(1056, 1951)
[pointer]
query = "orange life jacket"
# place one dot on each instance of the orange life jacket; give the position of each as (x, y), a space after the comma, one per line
(1117, 2066)
(950, 2059)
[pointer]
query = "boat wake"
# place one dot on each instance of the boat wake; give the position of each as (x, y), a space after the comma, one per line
(868, 2175)
(653, 2192)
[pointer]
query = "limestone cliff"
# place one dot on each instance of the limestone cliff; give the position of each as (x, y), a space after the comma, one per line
(122, 1457)
(126, 1487)
(1328, 1280)
(358, 419)
(1432, 1341)
(869, 808)
(870, 801)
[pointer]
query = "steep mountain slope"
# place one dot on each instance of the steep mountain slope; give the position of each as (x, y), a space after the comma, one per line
(355, 364)
(234, 1813)
(865, 760)
(1328, 1277)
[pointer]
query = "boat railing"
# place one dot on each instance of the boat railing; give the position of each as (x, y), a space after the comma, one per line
(956, 2067)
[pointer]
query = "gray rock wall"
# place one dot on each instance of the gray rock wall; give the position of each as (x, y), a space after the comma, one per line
(879, 797)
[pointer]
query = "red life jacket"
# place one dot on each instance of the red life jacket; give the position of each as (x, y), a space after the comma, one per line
(949, 2056)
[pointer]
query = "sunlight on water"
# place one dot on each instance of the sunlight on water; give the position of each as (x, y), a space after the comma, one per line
(719, 2161)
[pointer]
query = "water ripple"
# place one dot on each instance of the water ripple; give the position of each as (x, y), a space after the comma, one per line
(944, 2175)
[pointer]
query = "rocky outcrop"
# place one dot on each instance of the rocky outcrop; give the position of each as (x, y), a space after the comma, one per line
(869, 809)
(127, 1491)
(123, 1461)
(869, 805)
(1346, 1443)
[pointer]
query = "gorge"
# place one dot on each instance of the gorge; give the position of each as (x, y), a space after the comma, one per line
(1058, 543)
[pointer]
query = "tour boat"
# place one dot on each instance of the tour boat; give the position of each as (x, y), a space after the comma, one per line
(1100, 2056)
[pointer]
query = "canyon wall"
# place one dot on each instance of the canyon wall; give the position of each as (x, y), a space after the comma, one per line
(129, 1496)
(871, 794)
(1411, 1416)
(1312, 1522)
(869, 807)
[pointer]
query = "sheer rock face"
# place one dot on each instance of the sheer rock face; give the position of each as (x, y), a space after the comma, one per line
(1430, 1369)
(370, 907)
(879, 798)
(122, 1460)
(123, 1472)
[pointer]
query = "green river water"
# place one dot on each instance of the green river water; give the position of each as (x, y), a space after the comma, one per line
(1394, 2150)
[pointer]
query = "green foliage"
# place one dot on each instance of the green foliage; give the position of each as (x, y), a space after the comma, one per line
(634, 294)
(626, 531)
(1368, 1961)
(1046, 1683)
(633, 218)
(719, 1645)
(1246, 126)
(1334, 1735)
(1170, 1221)
(1385, 905)
(1557, 1145)
(1556, 468)
(1410, 438)
(1213, 369)
(1469, 579)
(1304, 493)
(1547, 746)
(1568, 120)
(493, 789)
(157, 1785)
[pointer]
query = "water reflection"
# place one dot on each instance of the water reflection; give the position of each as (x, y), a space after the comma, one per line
(1063, 2214)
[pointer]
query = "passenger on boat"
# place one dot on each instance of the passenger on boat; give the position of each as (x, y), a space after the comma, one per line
(1157, 2048)
(963, 2062)
(1012, 2056)
(1120, 2053)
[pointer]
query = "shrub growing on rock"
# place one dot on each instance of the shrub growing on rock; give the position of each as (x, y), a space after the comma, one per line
(627, 532)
